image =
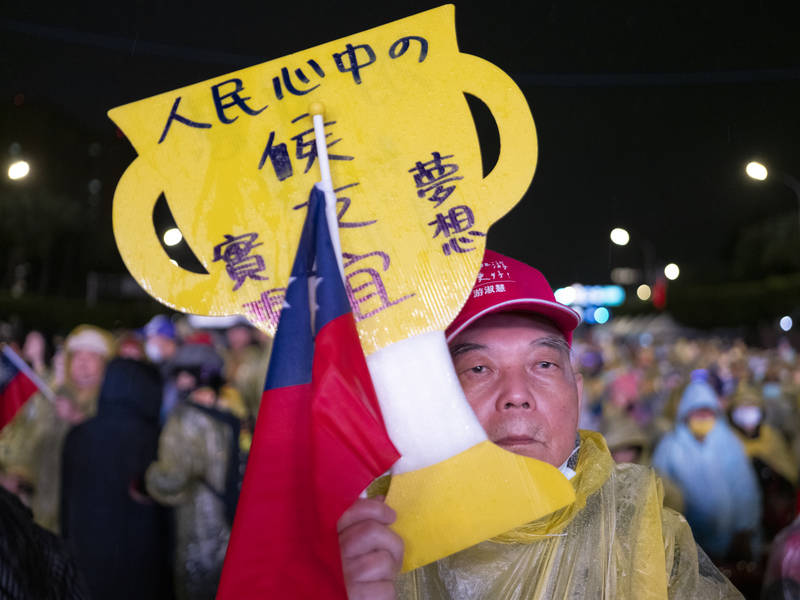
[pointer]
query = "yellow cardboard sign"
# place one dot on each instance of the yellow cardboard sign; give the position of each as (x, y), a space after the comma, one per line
(235, 158)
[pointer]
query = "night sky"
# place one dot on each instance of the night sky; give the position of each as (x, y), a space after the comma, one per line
(647, 112)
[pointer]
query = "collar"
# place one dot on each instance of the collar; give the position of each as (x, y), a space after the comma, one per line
(568, 468)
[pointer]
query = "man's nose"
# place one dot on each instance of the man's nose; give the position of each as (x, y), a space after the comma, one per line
(515, 391)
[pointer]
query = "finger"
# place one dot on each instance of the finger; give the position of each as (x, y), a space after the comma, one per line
(364, 509)
(380, 565)
(368, 536)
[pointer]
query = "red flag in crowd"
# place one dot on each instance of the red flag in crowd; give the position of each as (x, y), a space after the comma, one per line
(319, 441)
(15, 387)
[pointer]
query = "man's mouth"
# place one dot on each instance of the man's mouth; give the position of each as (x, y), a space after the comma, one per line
(515, 440)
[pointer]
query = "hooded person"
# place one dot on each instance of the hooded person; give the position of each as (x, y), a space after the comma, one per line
(511, 352)
(706, 460)
(30, 446)
(121, 538)
(628, 443)
(197, 466)
(771, 456)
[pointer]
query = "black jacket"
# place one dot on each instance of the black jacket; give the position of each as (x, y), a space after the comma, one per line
(120, 537)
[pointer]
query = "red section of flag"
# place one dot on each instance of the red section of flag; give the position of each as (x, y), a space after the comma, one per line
(14, 395)
(316, 447)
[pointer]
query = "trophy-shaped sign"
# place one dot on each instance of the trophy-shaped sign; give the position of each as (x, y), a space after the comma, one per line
(235, 158)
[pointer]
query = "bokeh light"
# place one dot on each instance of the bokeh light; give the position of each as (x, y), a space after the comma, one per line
(565, 295)
(786, 323)
(671, 271)
(172, 237)
(18, 170)
(601, 315)
(620, 237)
(756, 170)
(644, 292)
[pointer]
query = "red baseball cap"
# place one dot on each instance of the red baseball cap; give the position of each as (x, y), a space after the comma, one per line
(506, 285)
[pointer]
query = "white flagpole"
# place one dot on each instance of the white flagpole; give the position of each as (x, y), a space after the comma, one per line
(23, 366)
(317, 112)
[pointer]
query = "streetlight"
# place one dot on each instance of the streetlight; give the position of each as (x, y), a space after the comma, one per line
(620, 237)
(759, 171)
(671, 271)
(756, 171)
(18, 170)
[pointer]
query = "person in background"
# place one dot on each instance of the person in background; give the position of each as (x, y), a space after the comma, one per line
(160, 346)
(628, 443)
(34, 563)
(160, 340)
(246, 366)
(34, 352)
(720, 490)
(120, 537)
(771, 456)
(30, 446)
(197, 471)
(782, 577)
(130, 345)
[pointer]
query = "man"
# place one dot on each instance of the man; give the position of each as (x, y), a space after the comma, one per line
(511, 351)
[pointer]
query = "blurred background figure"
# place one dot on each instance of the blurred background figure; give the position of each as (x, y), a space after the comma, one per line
(628, 443)
(130, 345)
(246, 365)
(198, 471)
(771, 457)
(161, 344)
(120, 537)
(34, 563)
(720, 491)
(30, 446)
(160, 340)
(782, 577)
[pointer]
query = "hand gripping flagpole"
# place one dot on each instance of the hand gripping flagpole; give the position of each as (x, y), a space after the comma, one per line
(317, 112)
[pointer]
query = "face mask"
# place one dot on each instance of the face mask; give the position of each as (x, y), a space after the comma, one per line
(701, 426)
(746, 417)
(153, 352)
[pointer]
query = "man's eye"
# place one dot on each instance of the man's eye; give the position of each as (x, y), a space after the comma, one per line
(545, 365)
(478, 369)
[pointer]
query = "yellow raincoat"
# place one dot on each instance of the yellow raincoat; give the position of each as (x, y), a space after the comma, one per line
(30, 445)
(615, 542)
(769, 445)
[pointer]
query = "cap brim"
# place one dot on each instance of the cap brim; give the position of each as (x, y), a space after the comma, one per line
(564, 317)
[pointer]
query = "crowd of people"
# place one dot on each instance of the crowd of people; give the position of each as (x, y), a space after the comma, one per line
(137, 463)
(720, 424)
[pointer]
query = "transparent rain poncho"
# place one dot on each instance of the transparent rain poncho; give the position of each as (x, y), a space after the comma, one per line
(616, 541)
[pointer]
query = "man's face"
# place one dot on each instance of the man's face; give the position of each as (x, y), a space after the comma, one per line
(516, 373)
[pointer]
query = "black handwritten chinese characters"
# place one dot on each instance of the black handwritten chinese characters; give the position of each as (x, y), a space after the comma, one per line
(431, 179)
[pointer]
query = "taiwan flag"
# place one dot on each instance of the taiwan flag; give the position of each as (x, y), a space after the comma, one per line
(319, 441)
(15, 388)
